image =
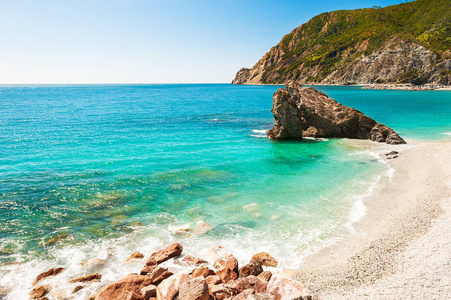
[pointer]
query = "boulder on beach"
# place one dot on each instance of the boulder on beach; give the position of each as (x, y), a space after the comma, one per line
(191, 260)
(282, 287)
(51, 272)
(226, 275)
(148, 292)
(163, 255)
(194, 289)
(301, 112)
(249, 282)
(264, 259)
(265, 276)
(87, 278)
(203, 271)
(39, 291)
(169, 288)
(129, 285)
(135, 255)
(159, 274)
(252, 268)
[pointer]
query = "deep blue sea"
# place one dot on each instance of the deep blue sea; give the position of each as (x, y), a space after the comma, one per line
(107, 170)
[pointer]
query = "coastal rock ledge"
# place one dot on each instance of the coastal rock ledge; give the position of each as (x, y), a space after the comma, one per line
(301, 112)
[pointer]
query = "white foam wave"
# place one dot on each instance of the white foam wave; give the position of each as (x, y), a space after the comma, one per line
(447, 133)
(390, 173)
(316, 139)
(358, 209)
(259, 133)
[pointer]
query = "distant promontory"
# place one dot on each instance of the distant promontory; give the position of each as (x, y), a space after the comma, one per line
(404, 43)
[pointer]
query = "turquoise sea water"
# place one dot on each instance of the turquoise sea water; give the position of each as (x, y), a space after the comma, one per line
(112, 169)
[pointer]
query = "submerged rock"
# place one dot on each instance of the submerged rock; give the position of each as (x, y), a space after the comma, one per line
(202, 228)
(306, 112)
(56, 239)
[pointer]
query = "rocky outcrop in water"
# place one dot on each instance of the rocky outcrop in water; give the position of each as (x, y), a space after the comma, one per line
(306, 112)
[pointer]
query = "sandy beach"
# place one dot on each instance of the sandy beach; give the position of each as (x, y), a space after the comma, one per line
(402, 246)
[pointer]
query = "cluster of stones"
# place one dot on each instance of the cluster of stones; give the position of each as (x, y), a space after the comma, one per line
(226, 281)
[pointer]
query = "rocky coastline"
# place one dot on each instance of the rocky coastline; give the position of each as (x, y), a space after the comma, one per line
(301, 112)
(201, 280)
(409, 87)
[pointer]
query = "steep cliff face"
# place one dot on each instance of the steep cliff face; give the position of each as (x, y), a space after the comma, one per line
(401, 43)
(306, 112)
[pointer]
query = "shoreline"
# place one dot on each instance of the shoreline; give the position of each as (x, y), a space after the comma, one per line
(386, 256)
(370, 86)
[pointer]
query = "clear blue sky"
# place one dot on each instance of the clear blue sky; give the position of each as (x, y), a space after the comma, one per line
(149, 41)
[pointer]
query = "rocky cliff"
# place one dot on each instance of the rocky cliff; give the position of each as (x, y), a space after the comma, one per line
(405, 43)
(306, 112)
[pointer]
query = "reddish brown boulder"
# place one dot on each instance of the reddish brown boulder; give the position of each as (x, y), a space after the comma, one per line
(265, 276)
(163, 255)
(222, 291)
(244, 294)
(264, 259)
(261, 296)
(252, 268)
(159, 274)
(190, 260)
(86, 278)
(51, 272)
(287, 288)
(131, 284)
(194, 289)
(226, 275)
(202, 271)
(169, 288)
(212, 280)
(250, 282)
(219, 264)
(132, 296)
(39, 291)
(232, 264)
(148, 292)
(136, 255)
(148, 269)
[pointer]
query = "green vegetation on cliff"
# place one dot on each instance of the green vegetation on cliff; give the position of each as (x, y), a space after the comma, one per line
(334, 40)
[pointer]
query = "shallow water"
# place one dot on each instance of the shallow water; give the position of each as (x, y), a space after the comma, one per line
(108, 170)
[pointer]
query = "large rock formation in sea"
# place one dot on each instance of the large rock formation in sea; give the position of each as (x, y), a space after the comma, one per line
(306, 112)
(405, 43)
